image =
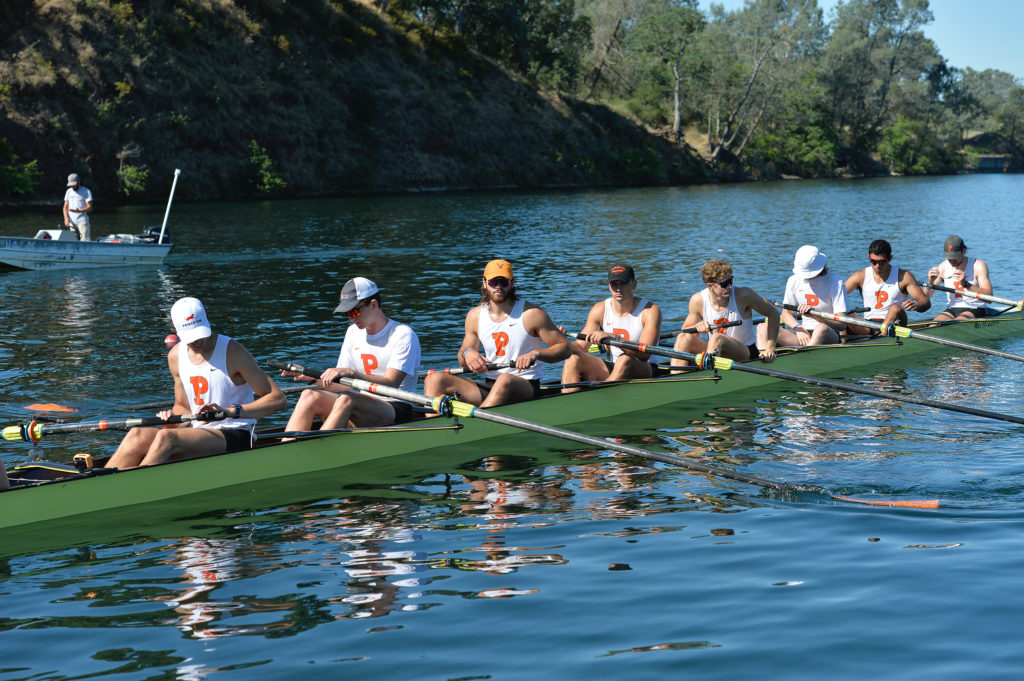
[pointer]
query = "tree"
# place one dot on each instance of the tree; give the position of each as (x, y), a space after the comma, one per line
(664, 38)
(1011, 115)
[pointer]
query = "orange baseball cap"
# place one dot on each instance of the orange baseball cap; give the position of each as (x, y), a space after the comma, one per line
(498, 268)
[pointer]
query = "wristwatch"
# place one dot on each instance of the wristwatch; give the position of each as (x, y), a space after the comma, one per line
(238, 410)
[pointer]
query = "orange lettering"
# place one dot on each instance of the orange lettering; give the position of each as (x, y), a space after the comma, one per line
(959, 286)
(621, 334)
(500, 341)
(880, 297)
(812, 299)
(200, 386)
(369, 363)
(719, 322)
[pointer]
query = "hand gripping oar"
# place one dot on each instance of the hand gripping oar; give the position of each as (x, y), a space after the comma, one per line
(1015, 304)
(693, 329)
(708, 361)
(905, 332)
(455, 371)
(448, 406)
(34, 430)
(164, 404)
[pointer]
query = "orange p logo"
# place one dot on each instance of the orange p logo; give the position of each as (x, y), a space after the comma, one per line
(369, 363)
(200, 386)
(500, 341)
(880, 297)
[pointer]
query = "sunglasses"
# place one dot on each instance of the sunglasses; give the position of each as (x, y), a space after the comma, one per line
(354, 313)
(499, 282)
(878, 261)
(725, 283)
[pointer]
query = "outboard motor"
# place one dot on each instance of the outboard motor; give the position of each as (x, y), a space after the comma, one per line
(152, 233)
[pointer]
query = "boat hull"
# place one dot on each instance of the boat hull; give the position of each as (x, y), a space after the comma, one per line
(52, 254)
(605, 410)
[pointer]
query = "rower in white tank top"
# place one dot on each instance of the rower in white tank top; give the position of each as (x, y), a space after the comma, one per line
(879, 297)
(626, 328)
(744, 333)
(946, 271)
(210, 383)
(505, 340)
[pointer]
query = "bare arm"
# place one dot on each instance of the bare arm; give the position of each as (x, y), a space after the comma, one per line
(918, 300)
(469, 351)
(984, 286)
(695, 314)
(242, 365)
(537, 323)
(749, 298)
(855, 281)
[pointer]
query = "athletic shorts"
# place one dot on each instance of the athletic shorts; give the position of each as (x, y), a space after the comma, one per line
(403, 412)
(754, 352)
(978, 312)
(237, 439)
(488, 382)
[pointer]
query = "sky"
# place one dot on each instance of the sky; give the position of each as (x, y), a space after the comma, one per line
(980, 34)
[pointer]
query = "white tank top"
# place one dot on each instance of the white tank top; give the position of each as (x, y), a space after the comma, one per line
(626, 328)
(955, 299)
(210, 383)
(504, 341)
(880, 297)
(744, 333)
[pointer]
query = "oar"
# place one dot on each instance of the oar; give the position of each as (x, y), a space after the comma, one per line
(1015, 304)
(447, 406)
(755, 322)
(149, 406)
(34, 430)
(455, 371)
(706, 361)
(906, 332)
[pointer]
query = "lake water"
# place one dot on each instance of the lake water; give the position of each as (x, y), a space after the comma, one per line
(518, 563)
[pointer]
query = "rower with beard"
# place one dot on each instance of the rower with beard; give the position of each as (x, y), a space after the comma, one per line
(964, 274)
(503, 328)
(212, 373)
(624, 316)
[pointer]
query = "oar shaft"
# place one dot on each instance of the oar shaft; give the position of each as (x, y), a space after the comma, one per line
(455, 371)
(711, 361)
(906, 332)
(34, 431)
(972, 294)
(164, 404)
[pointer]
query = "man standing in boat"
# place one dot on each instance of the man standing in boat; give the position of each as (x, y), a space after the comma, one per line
(622, 316)
(77, 206)
(212, 373)
(503, 328)
(721, 302)
(375, 349)
(963, 274)
(889, 292)
(812, 287)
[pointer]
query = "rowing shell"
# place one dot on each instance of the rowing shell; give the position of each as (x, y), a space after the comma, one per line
(605, 407)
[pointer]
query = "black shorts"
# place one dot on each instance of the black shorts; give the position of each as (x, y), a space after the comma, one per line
(403, 412)
(754, 352)
(237, 439)
(488, 382)
(978, 312)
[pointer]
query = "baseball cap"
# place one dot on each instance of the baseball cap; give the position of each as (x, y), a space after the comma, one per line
(954, 247)
(498, 268)
(190, 321)
(72, 179)
(621, 272)
(354, 290)
(809, 262)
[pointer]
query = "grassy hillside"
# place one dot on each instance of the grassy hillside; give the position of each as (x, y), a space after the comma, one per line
(257, 97)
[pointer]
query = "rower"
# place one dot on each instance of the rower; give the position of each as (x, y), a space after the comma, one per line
(812, 287)
(721, 302)
(502, 327)
(962, 273)
(889, 292)
(623, 316)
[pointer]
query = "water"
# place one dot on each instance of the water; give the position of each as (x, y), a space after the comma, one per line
(531, 558)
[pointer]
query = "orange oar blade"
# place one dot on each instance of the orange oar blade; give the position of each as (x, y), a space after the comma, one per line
(50, 406)
(923, 503)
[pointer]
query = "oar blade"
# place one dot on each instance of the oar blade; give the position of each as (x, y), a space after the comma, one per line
(895, 503)
(50, 406)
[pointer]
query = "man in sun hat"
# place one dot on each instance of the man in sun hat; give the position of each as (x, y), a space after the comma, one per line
(889, 292)
(963, 274)
(625, 316)
(77, 206)
(376, 349)
(812, 287)
(721, 302)
(212, 374)
(503, 328)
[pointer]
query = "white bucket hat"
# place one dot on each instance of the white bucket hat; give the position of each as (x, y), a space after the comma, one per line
(809, 262)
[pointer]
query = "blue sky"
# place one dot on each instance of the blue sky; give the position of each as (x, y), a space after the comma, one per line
(981, 34)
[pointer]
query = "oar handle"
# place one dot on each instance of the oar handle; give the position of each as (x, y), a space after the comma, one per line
(1017, 304)
(34, 431)
(455, 371)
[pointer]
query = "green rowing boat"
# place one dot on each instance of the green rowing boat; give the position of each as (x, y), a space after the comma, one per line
(44, 491)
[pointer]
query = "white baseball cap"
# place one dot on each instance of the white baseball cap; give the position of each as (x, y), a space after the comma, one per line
(809, 262)
(190, 321)
(355, 290)
(72, 179)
